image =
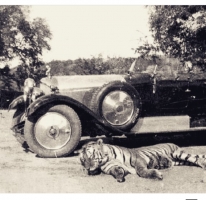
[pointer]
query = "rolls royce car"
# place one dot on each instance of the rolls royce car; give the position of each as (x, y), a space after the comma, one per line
(52, 118)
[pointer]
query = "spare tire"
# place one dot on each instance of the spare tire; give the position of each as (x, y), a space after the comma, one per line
(118, 103)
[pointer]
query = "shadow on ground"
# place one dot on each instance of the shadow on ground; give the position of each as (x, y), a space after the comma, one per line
(180, 139)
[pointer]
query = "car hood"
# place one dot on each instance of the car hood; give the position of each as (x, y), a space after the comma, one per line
(80, 81)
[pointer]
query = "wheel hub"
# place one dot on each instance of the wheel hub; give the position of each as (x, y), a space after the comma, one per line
(52, 130)
(117, 107)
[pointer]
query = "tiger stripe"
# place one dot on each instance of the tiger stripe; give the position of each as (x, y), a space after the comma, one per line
(144, 161)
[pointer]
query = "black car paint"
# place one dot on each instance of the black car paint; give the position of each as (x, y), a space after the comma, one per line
(16, 102)
(162, 97)
(174, 96)
(86, 115)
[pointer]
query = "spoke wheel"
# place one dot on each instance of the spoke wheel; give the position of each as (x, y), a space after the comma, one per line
(53, 131)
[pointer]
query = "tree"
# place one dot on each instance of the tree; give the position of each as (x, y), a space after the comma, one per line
(180, 31)
(22, 38)
(118, 65)
(6, 78)
(5, 71)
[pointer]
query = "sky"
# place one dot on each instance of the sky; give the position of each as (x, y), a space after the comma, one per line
(86, 28)
(85, 31)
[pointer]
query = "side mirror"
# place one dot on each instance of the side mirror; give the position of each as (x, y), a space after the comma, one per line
(131, 69)
(48, 74)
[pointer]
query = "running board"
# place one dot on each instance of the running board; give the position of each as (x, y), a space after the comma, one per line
(164, 124)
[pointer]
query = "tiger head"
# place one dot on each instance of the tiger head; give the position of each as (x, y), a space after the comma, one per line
(92, 156)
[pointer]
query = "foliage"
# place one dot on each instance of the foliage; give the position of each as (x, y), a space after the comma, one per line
(93, 65)
(80, 66)
(21, 73)
(25, 40)
(22, 38)
(6, 79)
(116, 65)
(180, 31)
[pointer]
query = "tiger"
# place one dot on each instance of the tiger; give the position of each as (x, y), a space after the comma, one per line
(97, 157)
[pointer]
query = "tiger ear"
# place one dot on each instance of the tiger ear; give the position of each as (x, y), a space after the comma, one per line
(99, 141)
(80, 150)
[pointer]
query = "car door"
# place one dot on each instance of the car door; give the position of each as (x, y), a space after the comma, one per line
(197, 97)
(171, 96)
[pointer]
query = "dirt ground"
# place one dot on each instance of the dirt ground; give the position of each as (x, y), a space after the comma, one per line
(24, 172)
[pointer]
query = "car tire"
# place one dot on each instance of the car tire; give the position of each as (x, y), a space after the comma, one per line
(53, 131)
(116, 115)
(18, 117)
(87, 97)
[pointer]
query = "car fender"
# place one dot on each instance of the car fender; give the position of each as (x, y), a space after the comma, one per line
(77, 106)
(19, 101)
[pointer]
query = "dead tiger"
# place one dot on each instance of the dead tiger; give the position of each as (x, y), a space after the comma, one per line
(145, 161)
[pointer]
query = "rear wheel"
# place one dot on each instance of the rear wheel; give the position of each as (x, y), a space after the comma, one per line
(54, 131)
(118, 103)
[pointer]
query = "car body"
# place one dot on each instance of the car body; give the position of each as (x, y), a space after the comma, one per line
(52, 118)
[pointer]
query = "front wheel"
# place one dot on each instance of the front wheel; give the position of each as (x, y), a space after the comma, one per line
(53, 131)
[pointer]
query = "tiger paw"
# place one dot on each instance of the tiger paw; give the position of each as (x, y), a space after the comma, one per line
(94, 172)
(202, 163)
(160, 176)
(120, 180)
(164, 162)
(118, 173)
(155, 174)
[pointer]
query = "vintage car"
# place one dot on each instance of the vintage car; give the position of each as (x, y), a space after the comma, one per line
(52, 118)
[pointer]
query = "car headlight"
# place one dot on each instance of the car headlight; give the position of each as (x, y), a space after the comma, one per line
(29, 84)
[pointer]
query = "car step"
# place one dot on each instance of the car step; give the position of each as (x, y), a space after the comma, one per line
(164, 124)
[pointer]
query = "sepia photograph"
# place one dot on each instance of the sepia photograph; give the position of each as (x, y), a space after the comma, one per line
(103, 98)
